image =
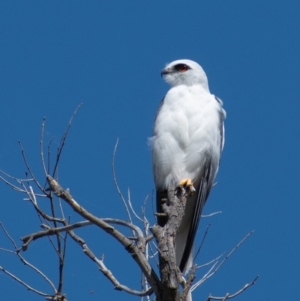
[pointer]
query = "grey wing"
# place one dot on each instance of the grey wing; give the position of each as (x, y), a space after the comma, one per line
(206, 182)
(207, 177)
(222, 114)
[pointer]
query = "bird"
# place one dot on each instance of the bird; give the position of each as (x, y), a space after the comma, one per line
(187, 142)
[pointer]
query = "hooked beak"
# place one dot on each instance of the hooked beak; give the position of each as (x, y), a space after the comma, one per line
(164, 71)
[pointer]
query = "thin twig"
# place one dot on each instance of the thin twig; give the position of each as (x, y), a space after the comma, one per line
(61, 276)
(211, 214)
(14, 178)
(233, 250)
(108, 274)
(204, 278)
(8, 236)
(28, 287)
(210, 262)
(63, 140)
(116, 182)
(32, 199)
(37, 271)
(228, 296)
(203, 239)
(131, 207)
(207, 276)
(54, 231)
(8, 251)
(24, 261)
(49, 155)
(14, 187)
(28, 167)
(61, 208)
(117, 284)
(42, 146)
(187, 284)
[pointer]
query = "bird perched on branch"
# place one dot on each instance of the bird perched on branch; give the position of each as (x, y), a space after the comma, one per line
(187, 142)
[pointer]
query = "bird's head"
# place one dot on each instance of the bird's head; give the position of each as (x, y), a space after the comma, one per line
(184, 72)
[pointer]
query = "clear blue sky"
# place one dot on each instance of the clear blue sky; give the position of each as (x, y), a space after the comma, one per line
(108, 55)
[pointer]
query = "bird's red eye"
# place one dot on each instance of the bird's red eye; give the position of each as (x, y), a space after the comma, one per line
(182, 67)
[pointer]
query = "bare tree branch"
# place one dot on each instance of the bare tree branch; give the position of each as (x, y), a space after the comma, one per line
(210, 262)
(129, 246)
(201, 244)
(28, 167)
(23, 282)
(32, 197)
(116, 182)
(42, 146)
(24, 261)
(214, 271)
(171, 286)
(63, 140)
(211, 214)
(187, 285)
(228, 296)
(165, 236)
(14, 187)
(53, 231)
(108, 274)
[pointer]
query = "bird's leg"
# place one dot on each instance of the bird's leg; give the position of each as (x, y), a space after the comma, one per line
(188, 185)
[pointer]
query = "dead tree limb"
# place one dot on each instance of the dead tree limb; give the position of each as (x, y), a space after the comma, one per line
(228, 296)
(171, 276)
(131, 248)
(170, 286)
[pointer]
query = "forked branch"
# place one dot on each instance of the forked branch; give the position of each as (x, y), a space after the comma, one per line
(170, 286)
(133, 250)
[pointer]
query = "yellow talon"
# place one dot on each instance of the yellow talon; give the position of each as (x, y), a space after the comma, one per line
(188, 183)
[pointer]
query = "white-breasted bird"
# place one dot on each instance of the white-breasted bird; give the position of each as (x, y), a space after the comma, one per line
(187, 142)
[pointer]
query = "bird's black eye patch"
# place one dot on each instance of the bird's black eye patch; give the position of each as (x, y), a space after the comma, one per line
(182, 67)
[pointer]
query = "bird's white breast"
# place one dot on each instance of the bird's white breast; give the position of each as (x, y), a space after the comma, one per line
(187, 129)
